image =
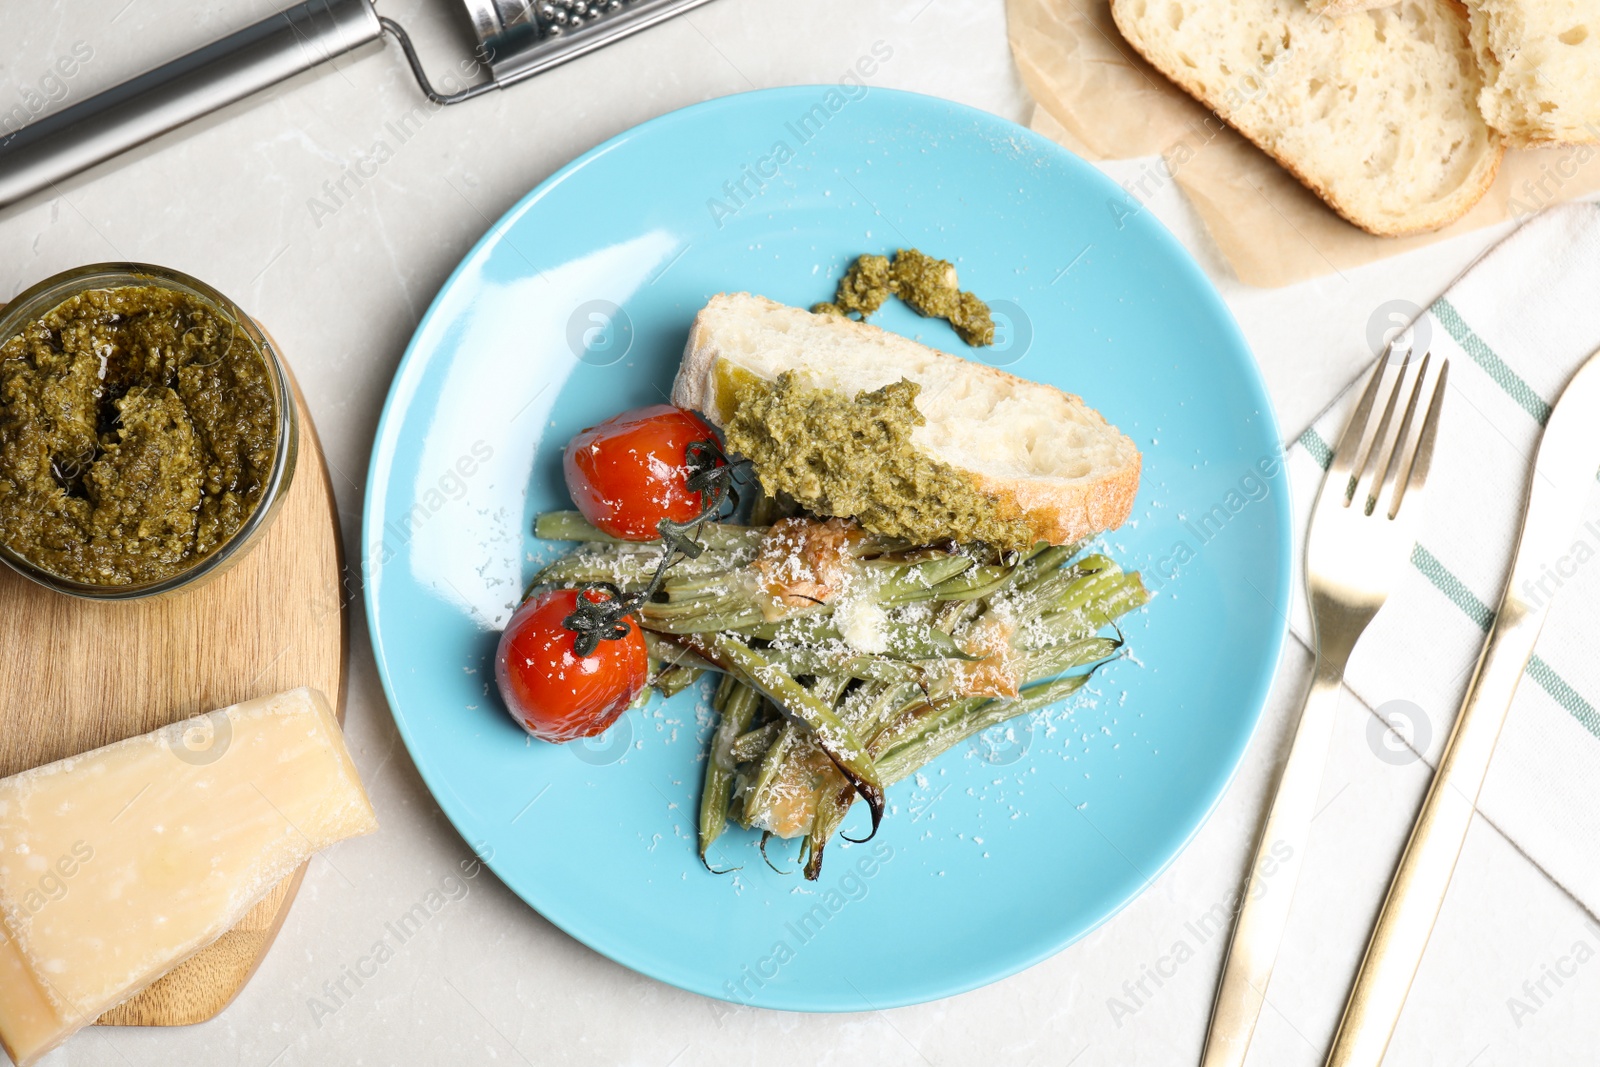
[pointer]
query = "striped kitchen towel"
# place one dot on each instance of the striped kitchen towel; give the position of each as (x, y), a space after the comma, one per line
(1515, 326)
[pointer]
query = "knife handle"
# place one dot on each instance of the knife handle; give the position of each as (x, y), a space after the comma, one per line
(1263, 908)
(1418, 889)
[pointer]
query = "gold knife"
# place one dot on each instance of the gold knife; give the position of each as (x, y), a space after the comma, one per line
(1563, 475)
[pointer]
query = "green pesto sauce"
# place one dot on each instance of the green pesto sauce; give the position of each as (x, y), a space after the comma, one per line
(138, 428)
(927, 285)
(854, 458)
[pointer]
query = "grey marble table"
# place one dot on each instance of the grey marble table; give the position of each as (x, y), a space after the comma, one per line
(486, 980)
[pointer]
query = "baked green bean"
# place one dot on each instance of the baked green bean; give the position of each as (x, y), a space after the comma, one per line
(818, 705)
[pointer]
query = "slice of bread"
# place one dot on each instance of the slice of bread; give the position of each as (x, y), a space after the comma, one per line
(1375, 112)
(1039, 463)
(1335, 8)
(1541, 69)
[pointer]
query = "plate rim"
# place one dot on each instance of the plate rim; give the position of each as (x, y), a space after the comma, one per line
(971, 978)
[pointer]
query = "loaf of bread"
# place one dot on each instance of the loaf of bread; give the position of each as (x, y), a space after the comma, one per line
(817, 402)
(1541, 69)
(1376, 112)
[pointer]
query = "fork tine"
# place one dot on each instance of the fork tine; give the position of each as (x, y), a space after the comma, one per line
(1344, 455)
(1366, 469)
(1421, 458)
(1394, 448)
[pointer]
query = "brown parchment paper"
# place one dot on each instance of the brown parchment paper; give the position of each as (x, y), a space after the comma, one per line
(1097, 97)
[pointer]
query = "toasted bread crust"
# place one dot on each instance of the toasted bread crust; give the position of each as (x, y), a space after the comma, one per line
(1065, 515)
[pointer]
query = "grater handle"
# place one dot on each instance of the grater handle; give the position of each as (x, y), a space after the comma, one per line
(72, 140)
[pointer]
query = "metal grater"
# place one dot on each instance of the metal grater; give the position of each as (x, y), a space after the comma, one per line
(516, 39)
(521, 38)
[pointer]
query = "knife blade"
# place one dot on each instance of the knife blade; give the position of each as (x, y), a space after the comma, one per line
(1558, 490)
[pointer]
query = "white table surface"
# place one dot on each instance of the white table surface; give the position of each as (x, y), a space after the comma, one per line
(487, 980)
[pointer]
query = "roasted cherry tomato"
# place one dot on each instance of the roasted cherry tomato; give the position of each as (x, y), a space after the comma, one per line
(555, 694)
(629, 472)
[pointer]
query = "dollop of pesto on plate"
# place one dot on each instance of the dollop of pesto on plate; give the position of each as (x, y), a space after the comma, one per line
(838, 455)
(138, 428)
(928, 286)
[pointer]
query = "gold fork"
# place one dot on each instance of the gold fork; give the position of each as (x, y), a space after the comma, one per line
(1360, 538)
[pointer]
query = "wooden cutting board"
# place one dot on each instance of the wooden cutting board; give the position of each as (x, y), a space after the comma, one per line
(75, 675)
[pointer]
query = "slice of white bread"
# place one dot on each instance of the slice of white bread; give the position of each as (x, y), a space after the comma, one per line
(1541, 69)
(1344, 7)
(1375, 112)
(1335, 8)
(1040, 458)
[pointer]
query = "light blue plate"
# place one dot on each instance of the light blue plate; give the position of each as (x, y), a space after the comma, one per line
(576, 306)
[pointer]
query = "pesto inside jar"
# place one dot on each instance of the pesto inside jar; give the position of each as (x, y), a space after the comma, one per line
(138, 430)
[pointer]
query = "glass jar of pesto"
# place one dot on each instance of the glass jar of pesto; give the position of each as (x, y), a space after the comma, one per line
(147, 431)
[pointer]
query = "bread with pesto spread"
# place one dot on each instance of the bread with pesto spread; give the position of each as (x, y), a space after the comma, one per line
(857, 422)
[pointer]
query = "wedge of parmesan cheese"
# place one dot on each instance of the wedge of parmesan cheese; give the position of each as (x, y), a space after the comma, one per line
(30, 1025)
(119, 864)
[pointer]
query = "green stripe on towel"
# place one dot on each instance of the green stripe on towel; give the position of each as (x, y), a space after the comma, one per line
(1476, 610)
(1564, 694)
(1452, 587)
(1492, 364)
(1313, 443)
